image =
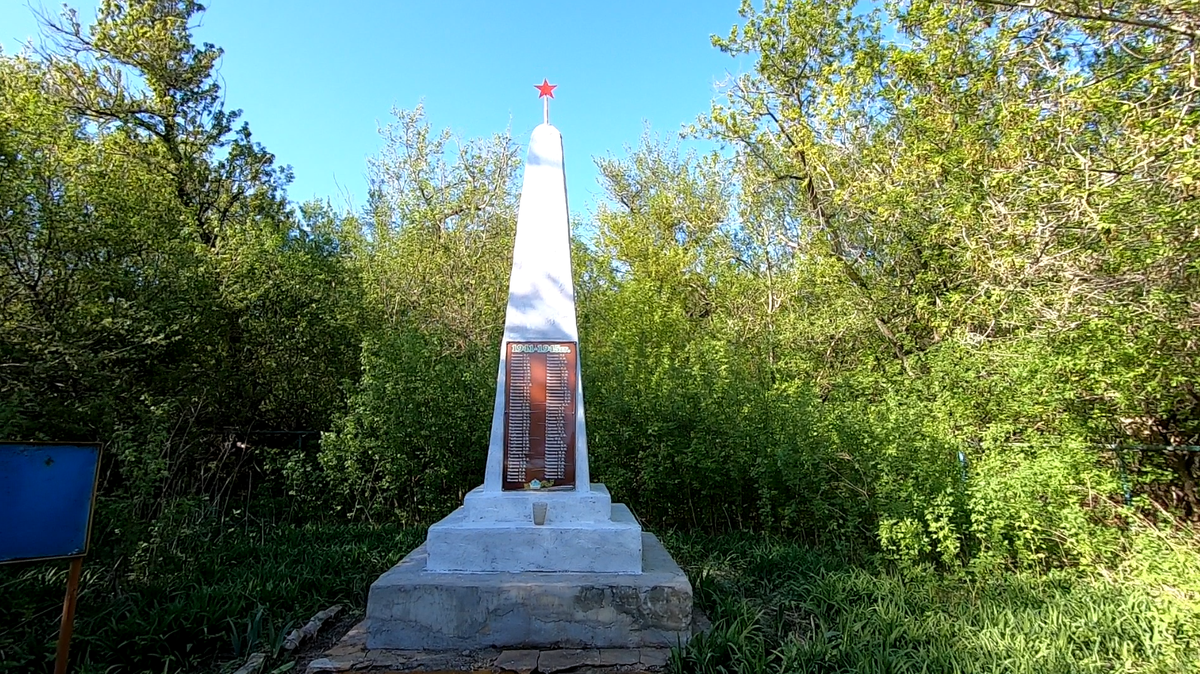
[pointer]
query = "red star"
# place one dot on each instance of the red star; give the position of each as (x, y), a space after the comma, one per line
(545, 88)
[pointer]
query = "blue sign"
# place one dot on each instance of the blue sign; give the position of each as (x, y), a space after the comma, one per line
(46, 496)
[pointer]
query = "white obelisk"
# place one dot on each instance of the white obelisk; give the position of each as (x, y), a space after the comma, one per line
(541, 290)
(579, 529)
(522, 564)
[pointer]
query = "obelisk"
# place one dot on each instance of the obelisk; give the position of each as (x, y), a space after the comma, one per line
(540, 335)
(538, 555)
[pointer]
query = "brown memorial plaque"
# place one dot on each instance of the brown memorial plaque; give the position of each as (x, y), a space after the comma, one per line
(539, 415)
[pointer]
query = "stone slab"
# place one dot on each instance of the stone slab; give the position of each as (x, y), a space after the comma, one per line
(409, 607)
(594, 505)
(610, 657)
(613, 546)
(550, 662)
(654, 658)
(350, 654)
(522, 661)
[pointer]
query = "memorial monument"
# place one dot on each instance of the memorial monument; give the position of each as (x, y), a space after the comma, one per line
(538, 555)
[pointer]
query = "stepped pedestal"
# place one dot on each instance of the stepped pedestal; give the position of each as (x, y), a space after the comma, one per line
(582, 532)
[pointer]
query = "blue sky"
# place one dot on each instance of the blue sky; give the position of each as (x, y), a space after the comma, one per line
(316, 78)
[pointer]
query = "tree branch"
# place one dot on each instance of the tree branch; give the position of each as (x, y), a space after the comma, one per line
(1185, 30)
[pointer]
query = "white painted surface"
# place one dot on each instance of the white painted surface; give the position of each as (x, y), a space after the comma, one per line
(481, 505)
(494, 530)
(612, 546)
(541, 290)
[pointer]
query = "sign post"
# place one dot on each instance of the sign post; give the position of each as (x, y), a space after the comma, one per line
(68, 617)
(47, 498)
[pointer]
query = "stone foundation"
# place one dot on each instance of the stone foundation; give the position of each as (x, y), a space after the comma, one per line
(410, 607)
(350, 654)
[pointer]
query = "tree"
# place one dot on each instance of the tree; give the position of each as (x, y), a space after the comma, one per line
(432, 261)
(162, 296)
(137, 67)
(995, 179)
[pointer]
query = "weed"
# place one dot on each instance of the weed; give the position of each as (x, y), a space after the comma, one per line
(779, 607)
(216, 590)
(223, 588)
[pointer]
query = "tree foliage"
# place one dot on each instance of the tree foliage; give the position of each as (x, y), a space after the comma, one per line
(946, 255)
(934, 299)
(160, 294)
(433, 267)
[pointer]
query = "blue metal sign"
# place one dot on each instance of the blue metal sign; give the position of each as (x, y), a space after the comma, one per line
(46, 497)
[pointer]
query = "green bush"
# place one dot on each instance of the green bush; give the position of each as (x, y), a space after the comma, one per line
(415, 437)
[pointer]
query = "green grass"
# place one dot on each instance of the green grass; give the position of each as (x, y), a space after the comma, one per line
(199, 593)
(780, 607)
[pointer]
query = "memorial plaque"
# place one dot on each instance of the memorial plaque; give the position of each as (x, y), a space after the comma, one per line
(539, 415)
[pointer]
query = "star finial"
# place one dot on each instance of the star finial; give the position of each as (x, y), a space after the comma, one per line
(545, 92)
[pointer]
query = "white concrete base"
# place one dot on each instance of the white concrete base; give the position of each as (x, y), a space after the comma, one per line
(594, 505)
(412, 608)
(457, 544)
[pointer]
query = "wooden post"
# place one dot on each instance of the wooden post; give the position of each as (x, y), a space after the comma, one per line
(68, 617)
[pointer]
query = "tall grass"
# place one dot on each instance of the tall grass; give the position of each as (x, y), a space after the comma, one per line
(196, 591)
(200, 591)
(780, 607)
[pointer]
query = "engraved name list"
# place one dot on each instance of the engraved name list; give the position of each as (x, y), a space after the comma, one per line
(539, 415)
